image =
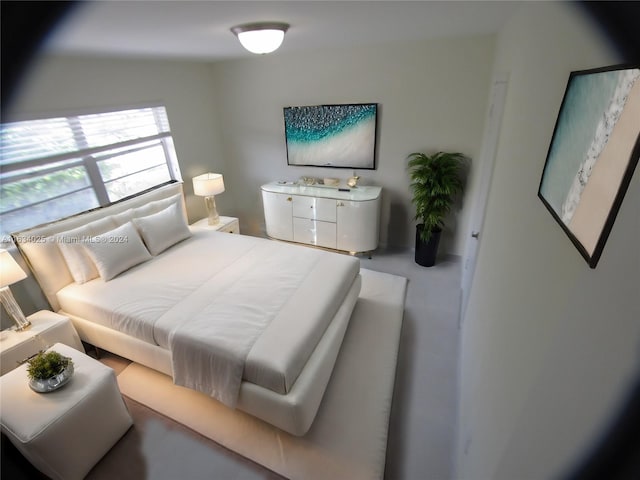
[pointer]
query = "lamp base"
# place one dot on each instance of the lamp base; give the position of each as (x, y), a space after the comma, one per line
(13, 309)
(210, 203)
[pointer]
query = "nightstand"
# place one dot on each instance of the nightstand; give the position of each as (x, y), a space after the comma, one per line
(226, 224)
(46, 329)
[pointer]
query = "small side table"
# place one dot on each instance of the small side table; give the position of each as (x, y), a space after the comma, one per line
(46, 329)
(226, 224)
(64, 433)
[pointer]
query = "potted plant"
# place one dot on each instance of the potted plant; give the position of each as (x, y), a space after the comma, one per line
(48, 371)
(435, 181)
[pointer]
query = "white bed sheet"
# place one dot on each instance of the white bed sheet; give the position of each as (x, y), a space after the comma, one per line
(216, 274)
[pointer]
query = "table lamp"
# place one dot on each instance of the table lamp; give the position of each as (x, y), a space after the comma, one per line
(10, 273)
(209, 185)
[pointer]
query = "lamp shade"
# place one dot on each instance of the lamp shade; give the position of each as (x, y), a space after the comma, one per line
(261, 38)
(10, 271)
(208, 184)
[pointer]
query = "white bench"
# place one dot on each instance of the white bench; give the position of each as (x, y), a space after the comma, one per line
(64, 433)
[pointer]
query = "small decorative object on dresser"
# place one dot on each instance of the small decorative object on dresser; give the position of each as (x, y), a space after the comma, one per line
(331, 182)
(353, 181)
(308, 181)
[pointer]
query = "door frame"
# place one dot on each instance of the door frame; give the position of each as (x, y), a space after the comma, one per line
(490, 139)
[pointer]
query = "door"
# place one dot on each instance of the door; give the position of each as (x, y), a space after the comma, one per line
(487, 157)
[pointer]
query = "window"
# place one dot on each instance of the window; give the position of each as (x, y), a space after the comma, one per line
(57, 167)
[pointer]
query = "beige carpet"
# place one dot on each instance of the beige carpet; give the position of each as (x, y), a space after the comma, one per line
(348, 438)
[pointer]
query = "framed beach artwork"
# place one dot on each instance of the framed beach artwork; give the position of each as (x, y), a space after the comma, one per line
(593, 153)
(338, 136)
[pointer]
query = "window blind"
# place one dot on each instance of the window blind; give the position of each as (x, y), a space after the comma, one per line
(55, 167)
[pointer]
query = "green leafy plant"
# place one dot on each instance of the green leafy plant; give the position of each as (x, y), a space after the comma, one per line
(46, 365)
(435, 180)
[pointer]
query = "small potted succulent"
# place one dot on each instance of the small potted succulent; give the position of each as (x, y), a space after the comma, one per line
(48, 371)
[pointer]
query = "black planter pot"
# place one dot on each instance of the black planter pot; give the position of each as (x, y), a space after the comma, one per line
(426, 251)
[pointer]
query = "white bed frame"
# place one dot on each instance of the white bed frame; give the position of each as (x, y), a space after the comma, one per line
(293, 412)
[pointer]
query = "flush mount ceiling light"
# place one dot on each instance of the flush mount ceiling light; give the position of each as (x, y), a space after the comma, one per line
(263, 37)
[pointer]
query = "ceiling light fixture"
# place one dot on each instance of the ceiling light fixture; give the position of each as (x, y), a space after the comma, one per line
(260, 38)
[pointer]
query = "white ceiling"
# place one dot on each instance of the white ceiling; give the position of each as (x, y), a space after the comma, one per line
(200, 29)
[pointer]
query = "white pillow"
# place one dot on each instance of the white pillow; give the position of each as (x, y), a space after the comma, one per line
(123, 217)
(70, 243)
(163, 229)
(155, 206)
(117, 250)
(148, 209)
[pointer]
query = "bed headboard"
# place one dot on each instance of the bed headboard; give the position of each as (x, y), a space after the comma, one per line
(43, 255)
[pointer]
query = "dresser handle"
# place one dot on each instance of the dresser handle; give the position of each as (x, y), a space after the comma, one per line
(340, 204)
(288, 199)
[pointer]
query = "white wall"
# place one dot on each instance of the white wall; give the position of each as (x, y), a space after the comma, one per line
(549, 345)
(67, 84)
(432, 96)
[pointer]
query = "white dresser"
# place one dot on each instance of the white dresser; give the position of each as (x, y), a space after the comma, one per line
(342, 219)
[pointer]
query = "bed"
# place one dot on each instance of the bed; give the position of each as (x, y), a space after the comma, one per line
(254, 323)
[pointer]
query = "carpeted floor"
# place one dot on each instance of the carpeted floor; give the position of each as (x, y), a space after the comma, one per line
(158, 447)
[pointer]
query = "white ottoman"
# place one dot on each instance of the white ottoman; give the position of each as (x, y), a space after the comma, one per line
(64, 433)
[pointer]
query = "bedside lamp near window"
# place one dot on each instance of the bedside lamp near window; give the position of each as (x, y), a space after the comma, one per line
(208, 186)
(10, 273)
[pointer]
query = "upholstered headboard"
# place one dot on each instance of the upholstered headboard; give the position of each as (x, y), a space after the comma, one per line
(41, 251)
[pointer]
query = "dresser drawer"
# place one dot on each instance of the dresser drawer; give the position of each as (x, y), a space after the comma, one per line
(314, 232)
(314, 208)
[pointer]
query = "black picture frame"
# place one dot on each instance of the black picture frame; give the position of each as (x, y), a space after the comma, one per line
(593, 153)
(334, 136)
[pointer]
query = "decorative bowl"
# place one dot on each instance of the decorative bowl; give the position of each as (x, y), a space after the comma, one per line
(53, 383)
(331, 182)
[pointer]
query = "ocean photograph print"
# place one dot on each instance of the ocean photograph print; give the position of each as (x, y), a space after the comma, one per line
(593, 153)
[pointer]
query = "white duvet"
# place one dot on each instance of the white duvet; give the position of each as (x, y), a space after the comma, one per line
(228, 307)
